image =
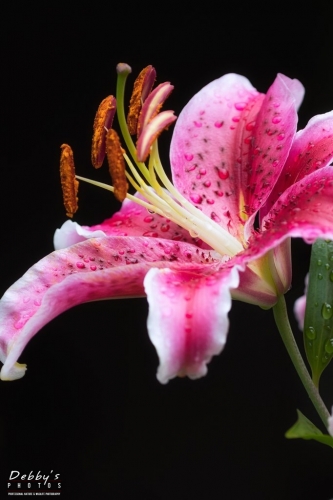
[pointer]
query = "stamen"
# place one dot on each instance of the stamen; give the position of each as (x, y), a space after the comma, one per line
(142, 87)
(102, 123)
(116, 163)
(69, 183)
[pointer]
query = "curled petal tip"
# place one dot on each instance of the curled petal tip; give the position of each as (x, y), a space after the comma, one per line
(123, 68)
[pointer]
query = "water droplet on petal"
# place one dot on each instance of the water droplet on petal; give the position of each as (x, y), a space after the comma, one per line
(240, 106)
(165, 228)
(218, 124)
(207, 184)
(223, 174)
(215, 217)
(152, 234)
(319, 262)
(148, 219)
(188, 157)
(202, 171)
(280, 137)
(276, 119)
(93, 268)
(80, 265)
(250, 126)
(196, 198)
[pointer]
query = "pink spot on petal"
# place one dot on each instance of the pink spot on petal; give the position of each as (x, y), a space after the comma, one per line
(197, 124)
(218, 124)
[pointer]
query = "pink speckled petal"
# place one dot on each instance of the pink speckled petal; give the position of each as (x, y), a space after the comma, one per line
(212, 136)
(135, 220)
(304, 210)
(71, 233)
(300, 306)
(272, 139)
(97, 268)
(188, 319)
(312, 149)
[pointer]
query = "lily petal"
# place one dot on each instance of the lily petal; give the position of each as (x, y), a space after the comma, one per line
(207, 146)
(133, 220)
(312, 149)
(272, 139)
(302, 211)
(188, 319)
(97, 268)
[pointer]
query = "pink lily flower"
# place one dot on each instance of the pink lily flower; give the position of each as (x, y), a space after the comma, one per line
(235, 155)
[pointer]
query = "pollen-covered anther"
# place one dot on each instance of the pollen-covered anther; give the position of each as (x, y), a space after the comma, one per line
(152, 105)
(69, 184)
(102, 123)
(114, 153)
(152, 131)
(141, 89)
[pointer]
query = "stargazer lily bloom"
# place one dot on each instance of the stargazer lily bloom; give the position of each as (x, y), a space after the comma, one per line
(244, 182)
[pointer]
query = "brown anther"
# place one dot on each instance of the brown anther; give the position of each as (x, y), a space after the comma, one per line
(103, 122)
(114, 153)
(137, 98)
(69, 184)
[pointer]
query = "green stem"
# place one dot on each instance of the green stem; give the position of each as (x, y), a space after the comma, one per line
(282, 322)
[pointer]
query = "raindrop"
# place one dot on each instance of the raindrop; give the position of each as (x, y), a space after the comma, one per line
(215, 217)
(202, 171)
(223, 174)
(165, 228)
(196, 198)
(327, 266)
(329, 346)
(235, 119)
(210, 201)
(93, 268)
(188, 157)
(240, 106)
(320, 276)
(276, 119)
(310, 332)
(207, 184)
(319, 262)
(280, 137)
(80, 265)
(250, 126)
(218, 124)
(326, 311)
(148, 219)
(152, 234)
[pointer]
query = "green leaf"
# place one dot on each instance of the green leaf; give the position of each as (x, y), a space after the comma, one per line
(318, 322)
(305, 429)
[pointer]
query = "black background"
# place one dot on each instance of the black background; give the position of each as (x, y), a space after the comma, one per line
(90, 407)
